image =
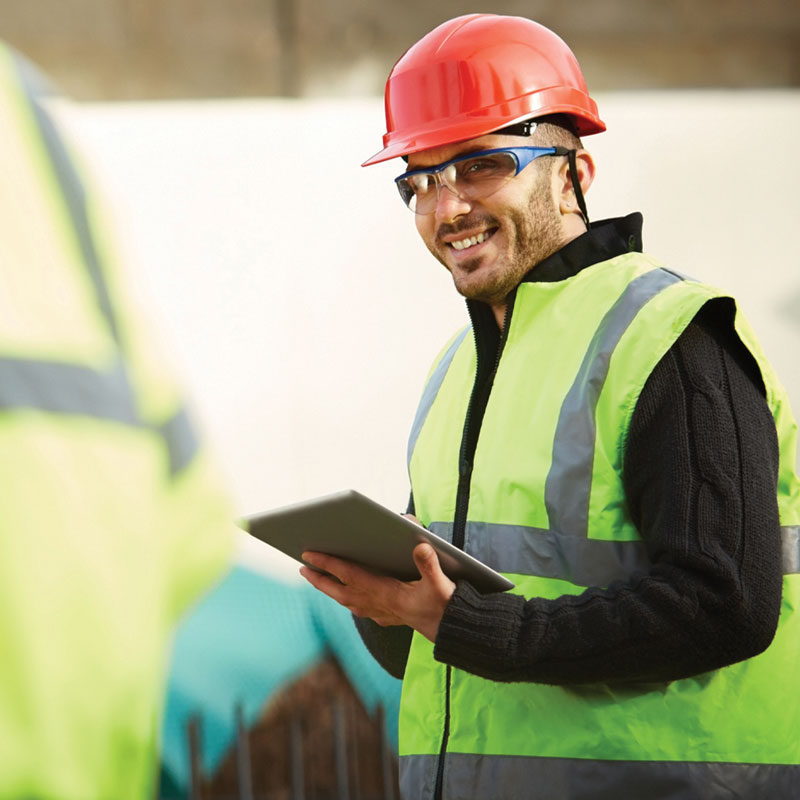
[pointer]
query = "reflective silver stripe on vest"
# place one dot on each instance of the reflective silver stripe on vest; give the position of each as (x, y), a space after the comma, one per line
(467, 777)
(181, 442)
(551, 554)
(36, 88)
(569, 482)
(790, 543)
(522, 550)
(78, 390)
(431, 390)
(67, 389)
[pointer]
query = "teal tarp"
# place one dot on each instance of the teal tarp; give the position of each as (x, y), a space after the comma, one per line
(245, 640)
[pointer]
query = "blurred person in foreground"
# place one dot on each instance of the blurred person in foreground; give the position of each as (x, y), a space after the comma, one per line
(609, 435)
(112, 521)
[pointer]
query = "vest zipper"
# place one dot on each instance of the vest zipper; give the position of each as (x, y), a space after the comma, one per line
(437, 792)
(475, 410)
(485, 332)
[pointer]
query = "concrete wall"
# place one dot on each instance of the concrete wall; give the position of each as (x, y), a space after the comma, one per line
(106, 49)
(303, 310)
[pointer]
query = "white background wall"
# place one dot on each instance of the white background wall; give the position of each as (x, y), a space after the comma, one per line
(303, 311)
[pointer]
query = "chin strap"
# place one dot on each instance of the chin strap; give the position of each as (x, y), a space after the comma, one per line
(576, 184)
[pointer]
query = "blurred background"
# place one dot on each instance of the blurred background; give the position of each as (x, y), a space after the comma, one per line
(137, 49)
(303, 313)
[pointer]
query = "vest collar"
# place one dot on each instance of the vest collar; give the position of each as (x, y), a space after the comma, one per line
(605, 239)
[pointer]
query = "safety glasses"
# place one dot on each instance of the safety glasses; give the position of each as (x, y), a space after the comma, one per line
(470, 177)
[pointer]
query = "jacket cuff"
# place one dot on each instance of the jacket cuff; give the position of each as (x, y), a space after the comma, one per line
(478, 632)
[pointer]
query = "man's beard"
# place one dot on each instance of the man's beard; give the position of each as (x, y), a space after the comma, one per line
(536, 231)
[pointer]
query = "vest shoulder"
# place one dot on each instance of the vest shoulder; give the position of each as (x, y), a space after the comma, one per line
(447, 352)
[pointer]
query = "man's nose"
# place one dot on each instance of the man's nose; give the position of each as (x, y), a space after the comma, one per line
(449, 204)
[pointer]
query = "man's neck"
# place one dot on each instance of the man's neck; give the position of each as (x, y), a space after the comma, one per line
(499, 311)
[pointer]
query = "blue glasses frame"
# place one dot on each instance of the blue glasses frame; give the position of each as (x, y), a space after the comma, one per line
(522, 157)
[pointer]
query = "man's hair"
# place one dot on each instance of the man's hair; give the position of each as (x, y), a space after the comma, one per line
(553, 129)
(556, 129)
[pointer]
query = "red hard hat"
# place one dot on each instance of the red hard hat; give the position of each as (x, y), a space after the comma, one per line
(477, 74)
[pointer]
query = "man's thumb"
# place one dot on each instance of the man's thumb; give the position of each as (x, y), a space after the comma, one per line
(425, 558)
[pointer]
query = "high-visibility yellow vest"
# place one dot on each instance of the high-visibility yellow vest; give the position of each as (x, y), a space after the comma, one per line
(547, 509)
(111, 520)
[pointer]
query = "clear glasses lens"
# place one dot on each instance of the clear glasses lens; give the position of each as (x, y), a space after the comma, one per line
(470, 178)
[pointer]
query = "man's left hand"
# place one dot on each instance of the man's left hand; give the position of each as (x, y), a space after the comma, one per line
(418, 604)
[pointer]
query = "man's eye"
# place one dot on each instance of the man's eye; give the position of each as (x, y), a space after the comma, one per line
(420, 184)
(481, 168)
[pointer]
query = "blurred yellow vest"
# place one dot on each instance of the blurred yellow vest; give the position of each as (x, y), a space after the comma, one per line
(112, 520)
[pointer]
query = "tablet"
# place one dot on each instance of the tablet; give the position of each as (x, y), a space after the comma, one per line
(351, 526)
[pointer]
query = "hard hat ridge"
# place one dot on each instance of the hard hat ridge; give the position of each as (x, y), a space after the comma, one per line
(476, 74)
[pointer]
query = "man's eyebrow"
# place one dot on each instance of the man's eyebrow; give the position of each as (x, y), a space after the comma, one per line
(468, 152)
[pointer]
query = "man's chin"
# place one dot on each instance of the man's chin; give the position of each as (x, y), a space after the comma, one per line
(485, 291)
(474, 279)
(467, 283)
(469, 268)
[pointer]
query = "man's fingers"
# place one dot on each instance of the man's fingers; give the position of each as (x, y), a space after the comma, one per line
(345, 571)
(328, 584)
(418, 604)
(362, 600)
(352, 599)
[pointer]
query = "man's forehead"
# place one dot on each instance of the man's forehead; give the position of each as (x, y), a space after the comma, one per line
(438, 155)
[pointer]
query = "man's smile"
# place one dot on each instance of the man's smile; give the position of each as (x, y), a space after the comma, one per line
(458, 239)
(471, 241)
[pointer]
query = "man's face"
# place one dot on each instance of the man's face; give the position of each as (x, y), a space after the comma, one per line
(515, 228)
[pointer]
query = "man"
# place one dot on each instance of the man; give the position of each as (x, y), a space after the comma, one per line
(112, 520)
(611, 438)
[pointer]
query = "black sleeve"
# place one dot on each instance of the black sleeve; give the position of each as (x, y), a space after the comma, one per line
(389, 646)
(700, 478)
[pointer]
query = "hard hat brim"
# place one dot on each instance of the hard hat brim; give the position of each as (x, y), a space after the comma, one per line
(556, 100)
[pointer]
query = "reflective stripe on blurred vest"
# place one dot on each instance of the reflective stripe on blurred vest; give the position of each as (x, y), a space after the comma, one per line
(547, 508)
(112, 518)
(26, 384)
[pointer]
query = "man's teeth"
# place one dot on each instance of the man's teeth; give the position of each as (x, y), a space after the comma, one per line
(472, 240)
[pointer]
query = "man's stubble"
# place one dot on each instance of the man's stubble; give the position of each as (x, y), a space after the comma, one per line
(534, 232)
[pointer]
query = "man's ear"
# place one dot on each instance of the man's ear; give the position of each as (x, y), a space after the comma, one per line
(584, 164)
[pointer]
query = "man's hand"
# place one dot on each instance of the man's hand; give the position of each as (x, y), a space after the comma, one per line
(418, 604)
